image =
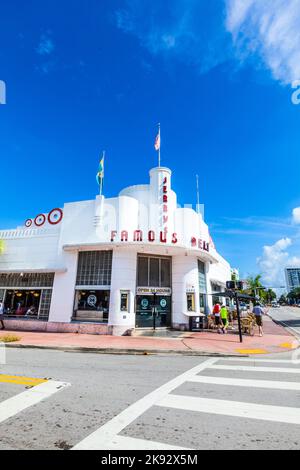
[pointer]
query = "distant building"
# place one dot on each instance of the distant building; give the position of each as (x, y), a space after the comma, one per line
(292, 277)
(235, 275)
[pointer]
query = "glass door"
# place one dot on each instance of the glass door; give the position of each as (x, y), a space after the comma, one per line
(144, 311)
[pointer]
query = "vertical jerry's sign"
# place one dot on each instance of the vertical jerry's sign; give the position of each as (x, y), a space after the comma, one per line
(2, 92)
(165, 205)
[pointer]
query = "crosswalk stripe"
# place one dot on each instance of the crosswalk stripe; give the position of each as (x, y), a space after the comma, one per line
(246, 382)
(102, 437)
(286, 370)
(130, 443)
(232, 408)
(20, 402)
(257, 361)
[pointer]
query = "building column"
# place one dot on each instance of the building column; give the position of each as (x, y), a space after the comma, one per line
(124, 266)
(184, 277)
(62, 302)
(209, 299)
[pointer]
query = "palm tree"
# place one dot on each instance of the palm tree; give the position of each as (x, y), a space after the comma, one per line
(268, 295)
(254, 285)
(294, 294)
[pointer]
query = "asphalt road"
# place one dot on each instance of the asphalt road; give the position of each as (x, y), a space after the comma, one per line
(157, 402)
(289, 317)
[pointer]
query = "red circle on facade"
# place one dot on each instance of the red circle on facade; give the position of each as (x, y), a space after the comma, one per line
(28, 223)
(40, 222)
(55, 216)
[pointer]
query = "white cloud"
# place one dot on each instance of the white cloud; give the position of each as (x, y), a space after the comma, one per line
(273, 261)
(46, 45)
(296, 215)
(269, 29)
(206, 34)
(188, 30)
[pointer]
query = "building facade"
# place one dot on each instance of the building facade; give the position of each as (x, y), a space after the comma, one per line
(292, 278)
(112, 262)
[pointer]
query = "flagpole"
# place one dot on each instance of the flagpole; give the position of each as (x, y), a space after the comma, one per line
(159, 145)
(101, 182)
(198, 200)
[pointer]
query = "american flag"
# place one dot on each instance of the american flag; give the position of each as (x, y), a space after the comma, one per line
(157, 142)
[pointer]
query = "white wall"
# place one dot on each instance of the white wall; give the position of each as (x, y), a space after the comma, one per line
(30, 253)
(185, 276)
(62, 303)
(124, 266)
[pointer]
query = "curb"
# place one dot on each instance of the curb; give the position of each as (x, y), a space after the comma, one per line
(288, 328)
(140, 352)
(285, 327)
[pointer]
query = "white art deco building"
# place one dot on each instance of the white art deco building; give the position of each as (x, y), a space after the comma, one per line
(103, 265)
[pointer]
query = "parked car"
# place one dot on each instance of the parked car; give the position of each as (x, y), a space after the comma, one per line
(243, 307)
(275, 304)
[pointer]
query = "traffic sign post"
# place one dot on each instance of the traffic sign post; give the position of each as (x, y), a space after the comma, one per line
(238, 315)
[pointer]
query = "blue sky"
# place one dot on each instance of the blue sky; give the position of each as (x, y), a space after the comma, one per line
(99, 75)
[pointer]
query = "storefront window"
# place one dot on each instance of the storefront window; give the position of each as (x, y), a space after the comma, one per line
(154, 271)
(45, 304)
(24, 280)
(94, 268)
(202, 278)
(165, 273)
(92, 305)
(202, 303)
(142, 271)
(22, 303)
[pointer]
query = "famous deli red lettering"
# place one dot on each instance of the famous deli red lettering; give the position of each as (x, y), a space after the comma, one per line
(151, 237)
(140, 236)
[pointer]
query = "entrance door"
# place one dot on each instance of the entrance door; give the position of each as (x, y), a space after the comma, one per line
(144, 311)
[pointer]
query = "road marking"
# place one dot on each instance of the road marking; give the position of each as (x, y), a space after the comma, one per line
(130, 443)
(256, 360)
(232, 408)
(252, 351)
(20, 380)
(102, 438)
(289, 345)
(246, 382)
(20, 402)
(286, 370)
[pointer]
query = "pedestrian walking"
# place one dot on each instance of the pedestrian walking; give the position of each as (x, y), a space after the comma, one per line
(224, 318)
(1, 315)
(259, 312)
(217, 316)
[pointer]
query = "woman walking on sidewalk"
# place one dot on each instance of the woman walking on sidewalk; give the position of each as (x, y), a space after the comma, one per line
(258, 312)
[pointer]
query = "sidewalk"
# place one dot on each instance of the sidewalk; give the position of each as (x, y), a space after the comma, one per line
(275, 339)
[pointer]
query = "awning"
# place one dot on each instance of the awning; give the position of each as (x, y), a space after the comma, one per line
(193, 314)
(231, 295)
(157, 248)
(34, 270)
